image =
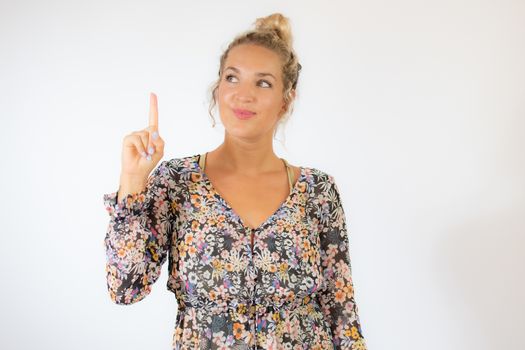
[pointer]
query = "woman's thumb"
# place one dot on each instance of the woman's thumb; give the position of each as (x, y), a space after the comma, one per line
(156, 144)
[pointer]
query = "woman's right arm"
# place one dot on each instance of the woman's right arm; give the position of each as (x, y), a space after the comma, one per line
(141, 215)
(138, 236)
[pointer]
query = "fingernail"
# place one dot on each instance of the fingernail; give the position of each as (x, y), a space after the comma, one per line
(148, 157)
(155, 135)
(144, 154)
(150, 150)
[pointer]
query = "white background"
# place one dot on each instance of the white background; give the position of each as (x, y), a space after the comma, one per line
(417, 108)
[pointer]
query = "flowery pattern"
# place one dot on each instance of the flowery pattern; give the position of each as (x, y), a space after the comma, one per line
(292, 290)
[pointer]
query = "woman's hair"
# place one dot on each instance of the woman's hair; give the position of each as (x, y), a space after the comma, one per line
(272, 32)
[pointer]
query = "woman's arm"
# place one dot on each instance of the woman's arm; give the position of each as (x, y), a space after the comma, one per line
(138, 237)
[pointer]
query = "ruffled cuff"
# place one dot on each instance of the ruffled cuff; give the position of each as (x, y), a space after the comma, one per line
(132, 203)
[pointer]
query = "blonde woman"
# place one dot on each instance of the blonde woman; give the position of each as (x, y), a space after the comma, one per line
(258, 248)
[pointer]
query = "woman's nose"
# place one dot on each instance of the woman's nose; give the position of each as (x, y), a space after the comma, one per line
(245, 93)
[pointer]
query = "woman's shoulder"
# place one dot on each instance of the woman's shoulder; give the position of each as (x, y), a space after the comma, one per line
(178, 170)
(188, 163)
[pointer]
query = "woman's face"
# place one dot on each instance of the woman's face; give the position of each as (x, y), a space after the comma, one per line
(251, 82)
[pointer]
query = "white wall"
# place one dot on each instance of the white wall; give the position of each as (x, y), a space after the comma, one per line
(416, 107)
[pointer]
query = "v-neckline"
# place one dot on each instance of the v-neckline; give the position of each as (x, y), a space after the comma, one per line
(270, 218)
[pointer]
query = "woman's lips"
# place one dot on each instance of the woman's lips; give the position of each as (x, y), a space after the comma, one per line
(243, 113)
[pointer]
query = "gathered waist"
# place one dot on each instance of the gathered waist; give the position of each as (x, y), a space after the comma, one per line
(248, 307)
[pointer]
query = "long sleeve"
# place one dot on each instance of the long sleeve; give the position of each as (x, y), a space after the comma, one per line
(138, 237)
(337, 298)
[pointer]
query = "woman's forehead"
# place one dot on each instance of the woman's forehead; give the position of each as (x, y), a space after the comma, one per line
(252, 59)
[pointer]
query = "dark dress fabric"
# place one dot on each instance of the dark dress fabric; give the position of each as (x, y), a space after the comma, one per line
(291, 290)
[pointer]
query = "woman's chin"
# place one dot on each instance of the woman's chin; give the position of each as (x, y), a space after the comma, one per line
(241, 132)
(244, 129)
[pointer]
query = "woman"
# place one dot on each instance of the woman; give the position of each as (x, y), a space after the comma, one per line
(258, 248)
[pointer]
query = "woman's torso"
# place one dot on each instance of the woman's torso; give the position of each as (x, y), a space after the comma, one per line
(237, 294)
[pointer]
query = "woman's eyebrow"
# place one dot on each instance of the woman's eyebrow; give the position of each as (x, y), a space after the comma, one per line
(261, 74)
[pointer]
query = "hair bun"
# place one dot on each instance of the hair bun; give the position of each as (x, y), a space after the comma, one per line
(278, 23)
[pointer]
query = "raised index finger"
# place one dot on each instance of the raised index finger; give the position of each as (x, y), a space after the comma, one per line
(153, 111)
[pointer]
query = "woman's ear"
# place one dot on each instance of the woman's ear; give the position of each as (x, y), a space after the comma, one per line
(285, 106)
(292, 95)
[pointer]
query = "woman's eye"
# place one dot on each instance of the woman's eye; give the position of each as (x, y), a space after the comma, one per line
(264, 81)
(227, 78)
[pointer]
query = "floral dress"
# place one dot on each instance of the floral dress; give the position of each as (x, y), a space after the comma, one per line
(292, 289)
